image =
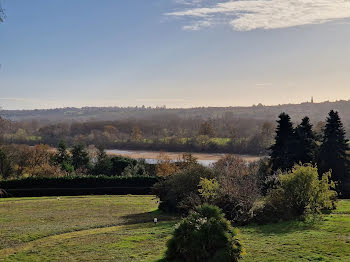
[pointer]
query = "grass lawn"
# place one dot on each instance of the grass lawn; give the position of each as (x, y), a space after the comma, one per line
(120, 228)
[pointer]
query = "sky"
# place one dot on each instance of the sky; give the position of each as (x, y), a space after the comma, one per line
(178, 53)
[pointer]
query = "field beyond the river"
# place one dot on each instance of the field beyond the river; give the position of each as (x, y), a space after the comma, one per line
(120, 228)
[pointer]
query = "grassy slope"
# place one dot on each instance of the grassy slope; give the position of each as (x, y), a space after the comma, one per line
(117, 228)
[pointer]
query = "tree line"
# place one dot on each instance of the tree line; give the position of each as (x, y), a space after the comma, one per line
(20, 161)
(300, 144)
(301, 180)
(221, 134)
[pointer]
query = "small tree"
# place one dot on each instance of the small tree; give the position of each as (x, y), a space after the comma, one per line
(208, 189)
(6, 168)
(239, 187)
(204, 236)
(135, 170)
(206, 129)
(188, 159)
(62, 158)
(103, 165)
(80, 157)
(164, 166)
(136, 134)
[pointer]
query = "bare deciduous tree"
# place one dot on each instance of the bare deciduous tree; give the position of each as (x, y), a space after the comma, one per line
(2, 14)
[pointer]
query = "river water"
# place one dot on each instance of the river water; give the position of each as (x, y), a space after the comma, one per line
(152, 157)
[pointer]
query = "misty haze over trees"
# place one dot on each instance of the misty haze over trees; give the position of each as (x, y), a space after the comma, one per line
(241, 130)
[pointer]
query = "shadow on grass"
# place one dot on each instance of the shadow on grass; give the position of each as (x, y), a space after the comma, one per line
(284, 227)
(148, 217)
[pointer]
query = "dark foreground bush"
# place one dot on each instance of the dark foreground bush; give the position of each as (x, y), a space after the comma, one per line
(179, 192)
(205, 235)
(78, 185)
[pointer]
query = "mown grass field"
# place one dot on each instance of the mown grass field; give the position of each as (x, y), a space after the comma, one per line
(120, 228)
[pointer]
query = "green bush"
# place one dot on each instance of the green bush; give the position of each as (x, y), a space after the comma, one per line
(205, 235)
(179, 192)
(300, 193)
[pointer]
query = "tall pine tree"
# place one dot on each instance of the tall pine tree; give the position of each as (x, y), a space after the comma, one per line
(333, 151)
(306, 146)
(283, 151)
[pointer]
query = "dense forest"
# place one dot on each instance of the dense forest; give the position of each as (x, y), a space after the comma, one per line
(241, 130)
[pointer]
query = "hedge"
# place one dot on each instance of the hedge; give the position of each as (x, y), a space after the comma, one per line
(78, 185)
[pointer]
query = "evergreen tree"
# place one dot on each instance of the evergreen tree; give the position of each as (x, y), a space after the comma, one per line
(333, 152)
(306, 146)
(62, 158)
(80, 157)
(284, 150)
(62, 154)
(6, 168)
(104, 164)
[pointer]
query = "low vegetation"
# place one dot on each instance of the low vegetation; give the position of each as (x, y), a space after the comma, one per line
(298, 193)
(287, 187)
(120, 228)
(204, 236)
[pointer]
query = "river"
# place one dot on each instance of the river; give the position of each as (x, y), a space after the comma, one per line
(152, 157)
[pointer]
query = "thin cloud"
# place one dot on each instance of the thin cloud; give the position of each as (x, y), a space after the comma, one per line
(14, 99)
(246, 15)
(263, 84)
(164, 100)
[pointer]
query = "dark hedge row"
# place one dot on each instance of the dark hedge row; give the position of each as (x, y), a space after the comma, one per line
(78, 185)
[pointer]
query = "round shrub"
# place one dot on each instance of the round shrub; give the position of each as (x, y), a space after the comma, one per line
(300, 193)
(205, 235)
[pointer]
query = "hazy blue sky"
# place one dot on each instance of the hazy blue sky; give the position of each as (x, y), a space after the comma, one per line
(57, 53)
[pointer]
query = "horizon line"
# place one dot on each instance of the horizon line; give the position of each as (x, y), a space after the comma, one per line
(165, 107)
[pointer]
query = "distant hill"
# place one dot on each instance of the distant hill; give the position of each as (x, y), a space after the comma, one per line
(316, 111)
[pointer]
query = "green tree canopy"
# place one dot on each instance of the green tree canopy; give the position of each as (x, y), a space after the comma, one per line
(333, 152)
(62, 157)
(80, 157)
(103, 165)
(284, 150)
(204, 236)
(306, 146)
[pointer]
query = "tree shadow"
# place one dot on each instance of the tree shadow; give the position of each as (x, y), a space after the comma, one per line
(148, 217)
(284, 227)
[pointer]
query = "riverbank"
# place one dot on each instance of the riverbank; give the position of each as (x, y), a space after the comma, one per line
(156, 155)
